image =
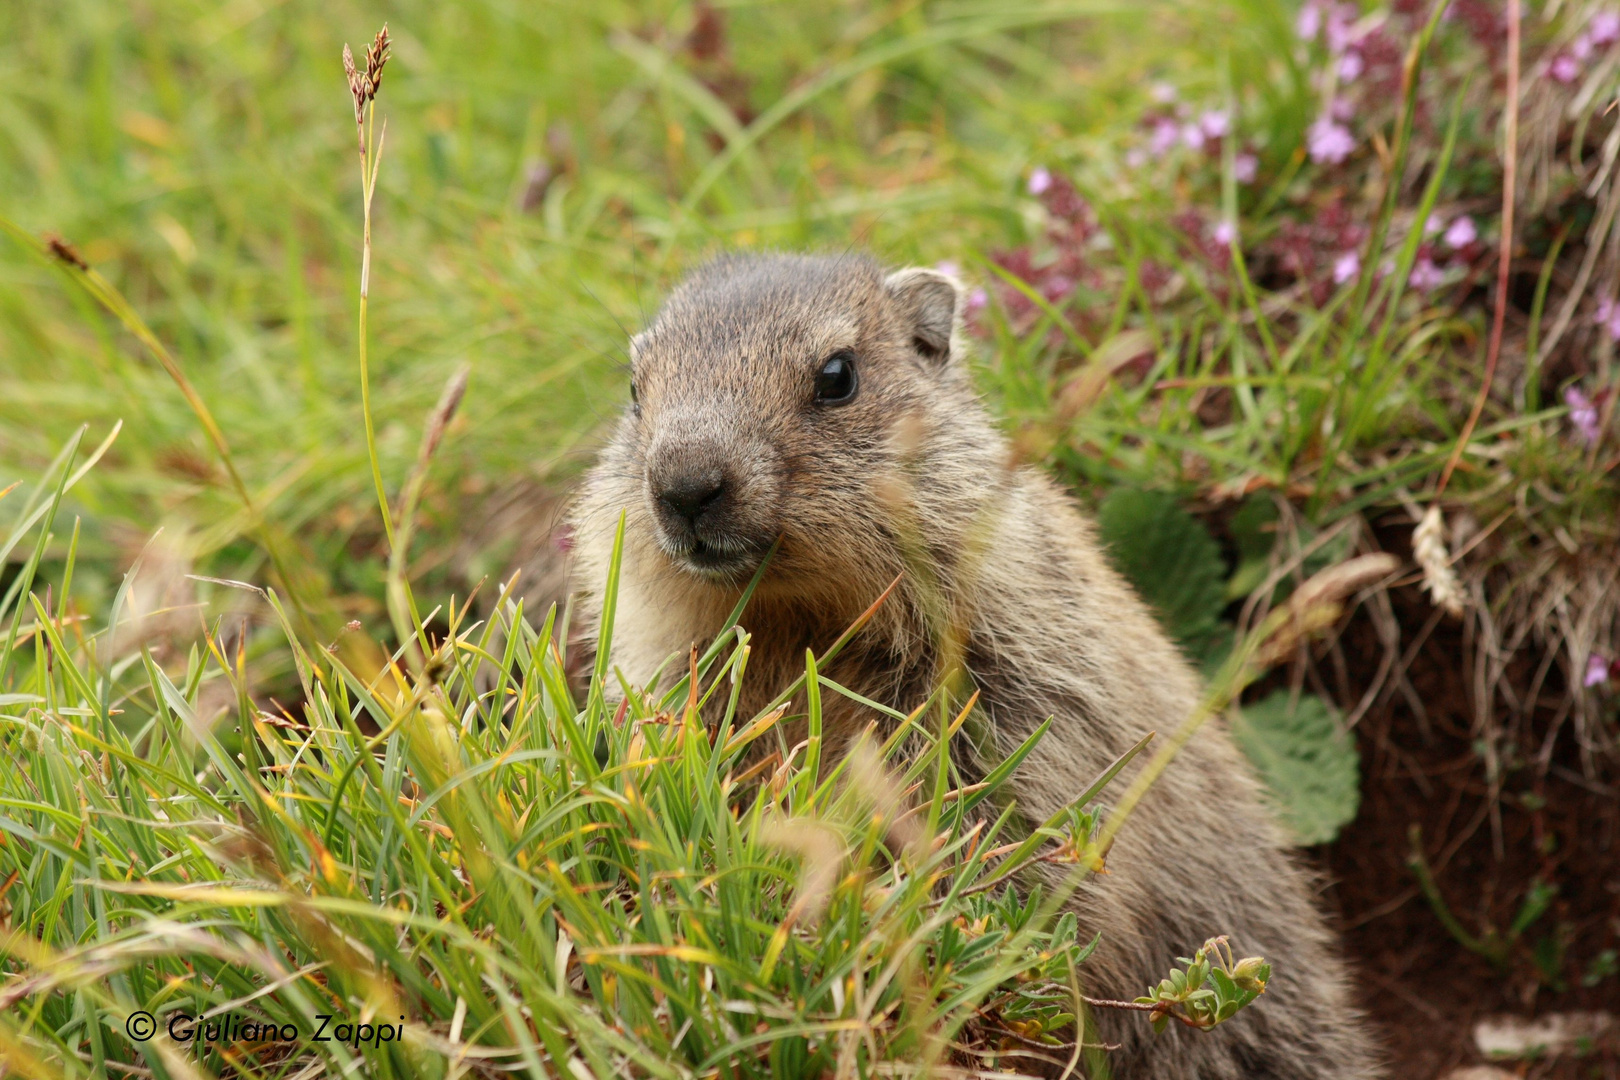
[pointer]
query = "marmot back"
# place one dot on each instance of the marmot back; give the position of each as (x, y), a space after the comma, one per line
(820, 401)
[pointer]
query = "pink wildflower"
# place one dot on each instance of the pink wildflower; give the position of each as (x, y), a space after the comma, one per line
(977, 301)
(1604, 27)
(1165, 134)
(1329, 142)
(949, 266)
(1215, 123)
(1597, 670)
(1583, 414)
(1040, 180)
(1163, 93)
(1425, 275)
(1345, 267)
(1193, 136)
(1245, 167)
(1342, 108)
(1581, 47)
(1309, 23)
(1564, 68)
(1341, 27)
(1224, 233)
(1462, 232)
(1350, 66)
(1608, 316)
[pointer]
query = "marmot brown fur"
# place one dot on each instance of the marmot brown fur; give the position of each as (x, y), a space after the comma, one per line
(817, 400)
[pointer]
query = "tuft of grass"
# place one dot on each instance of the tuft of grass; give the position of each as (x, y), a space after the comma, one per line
(489, 876)
(465, 871)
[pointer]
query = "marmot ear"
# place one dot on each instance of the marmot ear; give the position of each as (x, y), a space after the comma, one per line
(931, 300)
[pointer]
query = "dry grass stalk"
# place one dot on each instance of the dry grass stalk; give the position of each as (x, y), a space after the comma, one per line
(1510, 160)
(1318, 603)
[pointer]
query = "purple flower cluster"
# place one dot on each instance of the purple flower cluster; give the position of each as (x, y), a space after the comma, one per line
(1328, 141)
(1426, 275)
(1583, 415)
(1356, 57)
(1070, 226)
(1174, 124)
(1567, 64)
(1363, 60)
(1608, 316)
(1460, 238)
(1323, 250)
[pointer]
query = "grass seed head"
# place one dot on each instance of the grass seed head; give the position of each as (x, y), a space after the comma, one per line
(363, 85)
(1429, 550)
(376, 57)
(357, 86)
(444, 411)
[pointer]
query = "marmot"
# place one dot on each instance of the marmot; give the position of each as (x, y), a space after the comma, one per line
(820, 401)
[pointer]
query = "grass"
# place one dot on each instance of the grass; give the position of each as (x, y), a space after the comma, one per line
(200, 164)
(467, 872)
(546, 177)
(256, 189)
(468, 860)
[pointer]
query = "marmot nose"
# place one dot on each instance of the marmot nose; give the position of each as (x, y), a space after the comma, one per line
(689, 494)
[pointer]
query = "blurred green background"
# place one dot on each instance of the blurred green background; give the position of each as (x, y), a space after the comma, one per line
(548, 169)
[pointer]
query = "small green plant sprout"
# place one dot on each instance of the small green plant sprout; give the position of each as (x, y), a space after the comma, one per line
(1072, 835)
(1604, 965)
(1494, 945)
(1211, 990)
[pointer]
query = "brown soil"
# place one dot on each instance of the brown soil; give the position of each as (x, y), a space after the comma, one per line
(1423, 987)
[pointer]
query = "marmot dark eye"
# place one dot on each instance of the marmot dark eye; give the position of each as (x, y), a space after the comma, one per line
(836, 383)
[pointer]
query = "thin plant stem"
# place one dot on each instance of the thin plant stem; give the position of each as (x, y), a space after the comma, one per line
(1504, 258)
(369, 162)
(401, 604)
(106, 294)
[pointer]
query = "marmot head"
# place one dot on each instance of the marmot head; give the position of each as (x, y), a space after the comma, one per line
(780, 396)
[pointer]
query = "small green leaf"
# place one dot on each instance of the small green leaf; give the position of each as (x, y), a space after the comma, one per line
(1254, 532)
(1306, 761)
(1536, 901)
(1171, 559)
